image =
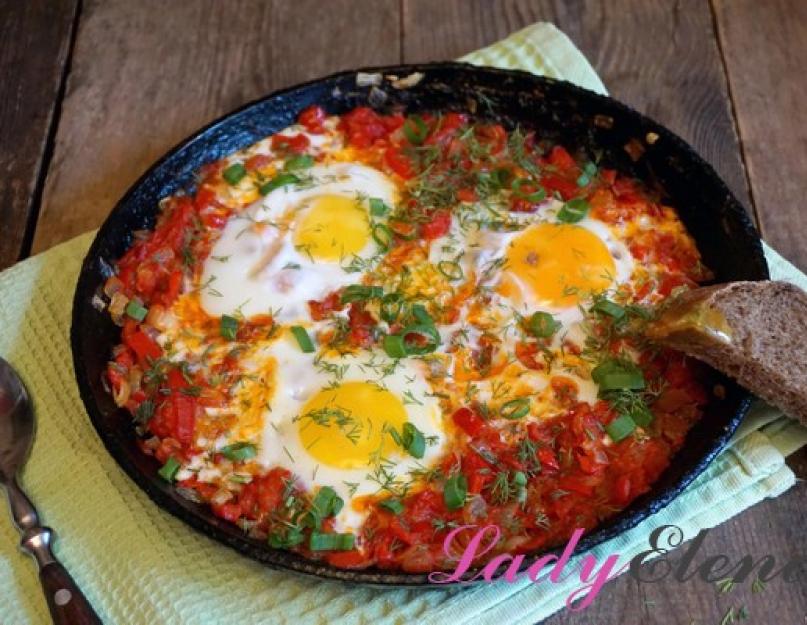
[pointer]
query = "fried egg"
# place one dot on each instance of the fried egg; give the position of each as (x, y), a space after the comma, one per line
(294, 244)
(330, 417)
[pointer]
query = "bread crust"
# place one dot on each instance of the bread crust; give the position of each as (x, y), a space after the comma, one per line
(766, 351)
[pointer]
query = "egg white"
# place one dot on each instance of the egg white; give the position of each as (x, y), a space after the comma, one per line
(254, 266)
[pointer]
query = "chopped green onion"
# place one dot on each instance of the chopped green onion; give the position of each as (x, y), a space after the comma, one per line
(170, 469)
(331, 542)
(543, 325)
(327, 503)
(607, 307)
(228, 327)
(614, 375)
(281, 180)
(301, 161)
(454, 492)
(422, 315)
(360, 293)
(412, 440)
(620, 428)
(424, 331)
(294, 536)
(520, 478)
(234, 173)
(393, 505)
(391, 305)
(535, 196)
(515, 408)
(383, 236)
(501, 177)
(641, 414)
(136, 310)
(239, 451)
(589, 171)
(394, 346)
(573, 210)
(377, 207)
(415, 129)
(520, 486)
(303, 340)
(450, 269)
(144, 411)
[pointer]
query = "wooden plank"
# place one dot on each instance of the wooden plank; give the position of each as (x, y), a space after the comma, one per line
(664, 60)
(34, 43)
(765, 49)
(660, 58)
(166, 69)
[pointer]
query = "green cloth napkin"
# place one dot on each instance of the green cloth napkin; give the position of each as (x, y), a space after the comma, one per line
(137, 564)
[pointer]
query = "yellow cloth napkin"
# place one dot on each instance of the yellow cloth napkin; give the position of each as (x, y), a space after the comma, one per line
(139, 565)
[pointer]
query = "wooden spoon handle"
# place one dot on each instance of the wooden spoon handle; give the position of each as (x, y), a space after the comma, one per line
(68, 606)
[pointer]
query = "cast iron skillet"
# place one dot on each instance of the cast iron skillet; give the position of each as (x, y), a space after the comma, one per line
(569, 115)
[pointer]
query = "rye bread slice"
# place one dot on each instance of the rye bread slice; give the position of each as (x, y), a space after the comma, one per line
(754, 332)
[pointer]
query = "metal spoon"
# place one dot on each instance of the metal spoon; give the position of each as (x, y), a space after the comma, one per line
(67, 605)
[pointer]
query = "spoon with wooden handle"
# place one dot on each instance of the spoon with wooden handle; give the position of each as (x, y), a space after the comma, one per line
(67, 604)
(754, 332)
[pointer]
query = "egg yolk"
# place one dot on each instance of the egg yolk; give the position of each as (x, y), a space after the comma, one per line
(344, 427)
(559, 263)
(331, 228)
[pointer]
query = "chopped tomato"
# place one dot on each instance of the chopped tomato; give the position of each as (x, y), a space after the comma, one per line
(398, 163)
(257, 162)
(469, 421)
(228, 511)
(312, 118)
(438, 226)
(144, 346)
(295, 144)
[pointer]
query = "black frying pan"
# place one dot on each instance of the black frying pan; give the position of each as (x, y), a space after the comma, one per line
(562, 112)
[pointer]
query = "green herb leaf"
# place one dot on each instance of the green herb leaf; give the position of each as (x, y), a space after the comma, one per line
(301, 161)
(455, 491)
(378, 207)
(617, 375)
(303, 340)
(327, 503)
(419, 339)
(391, 305)
(411, 440)
(393, 505)
(234, 173)
(383, 236)
(291, 538)
(543, 325)
(281, 180)
(394, 346)
(228, 327)
(170, 469)
(360, 293)
(320, 541)
(451, 269)
(415, 130)
(515, 408)
(136, 310)
(144, 411)
(573, 211)
(607, 307)
(239, 452)
(535, 196)
(621, 427)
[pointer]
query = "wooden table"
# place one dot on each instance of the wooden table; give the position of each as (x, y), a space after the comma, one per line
(93, 91)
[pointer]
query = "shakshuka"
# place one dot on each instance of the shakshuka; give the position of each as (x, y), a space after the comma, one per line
(368, 329)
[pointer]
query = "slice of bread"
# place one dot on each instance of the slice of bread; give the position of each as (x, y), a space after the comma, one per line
(754, 332)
